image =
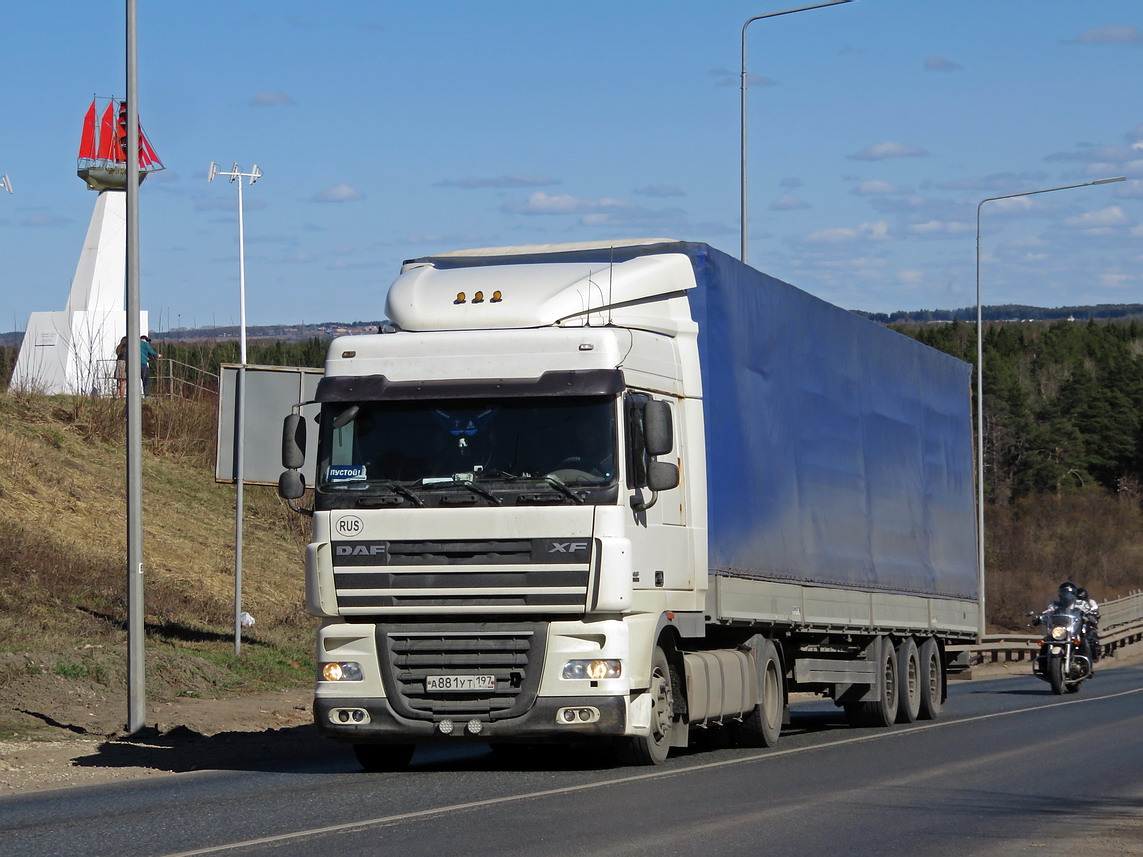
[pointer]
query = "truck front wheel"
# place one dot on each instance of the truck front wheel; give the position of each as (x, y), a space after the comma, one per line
(652, 748)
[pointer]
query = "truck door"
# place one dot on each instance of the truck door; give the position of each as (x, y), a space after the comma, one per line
(661, 541)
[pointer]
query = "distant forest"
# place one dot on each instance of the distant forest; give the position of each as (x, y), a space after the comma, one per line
(1063, 403)
(1009, 312)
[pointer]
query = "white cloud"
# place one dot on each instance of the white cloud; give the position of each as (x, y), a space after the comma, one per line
(888, 149)
(339, 193)
(788, 202)
(940, 227)
(1099, 221)
(1111, 35)
(940, 64)
(272, 98)
(877, 187)
(877, 231)
(563, 203)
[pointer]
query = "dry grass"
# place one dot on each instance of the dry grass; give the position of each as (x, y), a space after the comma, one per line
(1094, 538)
(63, 535)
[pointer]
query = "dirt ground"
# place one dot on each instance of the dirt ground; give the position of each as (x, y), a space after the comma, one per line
(81, 741)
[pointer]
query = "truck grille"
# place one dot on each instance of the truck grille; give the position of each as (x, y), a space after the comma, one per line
(464, 576)
(411, 655)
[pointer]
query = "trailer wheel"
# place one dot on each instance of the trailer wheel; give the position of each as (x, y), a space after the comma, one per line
(377, 758)
(652, 748)
(932, 680)
(909, 681)
(761, 726)
(884, 711)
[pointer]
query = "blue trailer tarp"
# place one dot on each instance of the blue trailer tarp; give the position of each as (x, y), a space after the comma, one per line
(839, 452)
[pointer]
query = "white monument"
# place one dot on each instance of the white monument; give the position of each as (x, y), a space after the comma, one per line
(73, 351)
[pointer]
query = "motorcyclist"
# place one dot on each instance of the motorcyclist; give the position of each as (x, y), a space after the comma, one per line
(1090, 610)
(1068, 596)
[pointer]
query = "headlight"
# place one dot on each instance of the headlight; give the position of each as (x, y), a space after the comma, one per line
(593, 669)
(340, 671)
(1059, 633)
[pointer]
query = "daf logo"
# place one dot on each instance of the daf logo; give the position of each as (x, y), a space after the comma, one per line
(567, 547)
(360, 550)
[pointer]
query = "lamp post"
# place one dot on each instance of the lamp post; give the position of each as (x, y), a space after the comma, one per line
(750, 21)
(236, 176)
(980, 389)
(6, 183)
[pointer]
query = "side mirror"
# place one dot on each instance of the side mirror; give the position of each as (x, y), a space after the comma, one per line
(658, 430)
(662, 476)
(291, 485)
(294, 442)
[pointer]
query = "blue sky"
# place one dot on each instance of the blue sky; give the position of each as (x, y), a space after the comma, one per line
(387, 131)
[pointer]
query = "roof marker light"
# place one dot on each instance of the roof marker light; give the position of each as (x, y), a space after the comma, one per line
(497, 297)
(459, 298)
(478, 298)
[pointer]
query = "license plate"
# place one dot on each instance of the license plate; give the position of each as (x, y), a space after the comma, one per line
(459, 683)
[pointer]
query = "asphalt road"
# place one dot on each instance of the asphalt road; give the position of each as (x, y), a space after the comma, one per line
(1008, 770)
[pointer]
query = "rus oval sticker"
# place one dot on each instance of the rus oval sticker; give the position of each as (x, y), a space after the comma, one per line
(349, 525)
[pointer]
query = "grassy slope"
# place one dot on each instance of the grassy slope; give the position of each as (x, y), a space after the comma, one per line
(63, 561)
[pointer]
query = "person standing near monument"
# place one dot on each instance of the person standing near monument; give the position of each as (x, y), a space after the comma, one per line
(146, 352)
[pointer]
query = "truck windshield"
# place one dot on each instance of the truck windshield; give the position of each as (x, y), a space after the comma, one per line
(419, 444)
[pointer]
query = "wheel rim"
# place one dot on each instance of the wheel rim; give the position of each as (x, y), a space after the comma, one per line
(661, 709)
(771, 695)
(934, 670)
(890, 682)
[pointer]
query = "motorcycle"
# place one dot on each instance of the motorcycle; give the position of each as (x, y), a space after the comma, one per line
(1064, 660)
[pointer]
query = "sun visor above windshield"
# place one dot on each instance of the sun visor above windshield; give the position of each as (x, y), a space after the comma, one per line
(369, 388)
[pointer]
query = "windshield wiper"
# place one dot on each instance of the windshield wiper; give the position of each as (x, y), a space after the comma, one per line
(551, 480)
(403, 491)
(563, 489)
(468, 483)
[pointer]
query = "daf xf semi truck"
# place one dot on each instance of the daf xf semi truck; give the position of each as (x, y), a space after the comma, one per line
(626, 491)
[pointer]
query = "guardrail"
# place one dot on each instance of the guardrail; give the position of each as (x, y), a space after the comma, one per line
(1120, 625)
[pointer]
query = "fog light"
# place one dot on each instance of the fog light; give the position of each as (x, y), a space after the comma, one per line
(593, 669)
(343, 716)
(587, 714)
(474, 726)
(445, 726)
(341, 671)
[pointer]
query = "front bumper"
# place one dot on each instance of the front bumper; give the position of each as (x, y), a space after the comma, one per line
(541, 723)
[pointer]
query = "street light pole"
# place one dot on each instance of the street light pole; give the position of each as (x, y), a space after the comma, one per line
(980, 390)
(750, 21)
(236, 175)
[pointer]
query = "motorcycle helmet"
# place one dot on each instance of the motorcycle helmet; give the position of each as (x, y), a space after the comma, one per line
(1081, 594)
(1067, 595)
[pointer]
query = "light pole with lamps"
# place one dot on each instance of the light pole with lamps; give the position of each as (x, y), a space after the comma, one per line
(236, 175)
(980, 389)
(750, 21)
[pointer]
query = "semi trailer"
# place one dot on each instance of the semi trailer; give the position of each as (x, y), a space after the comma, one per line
(627, 491)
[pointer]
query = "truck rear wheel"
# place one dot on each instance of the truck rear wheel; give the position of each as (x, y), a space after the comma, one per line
(932, 680)
(377, 758)
(761, 726)
(883, 711)
(909, 681)
(652, 748)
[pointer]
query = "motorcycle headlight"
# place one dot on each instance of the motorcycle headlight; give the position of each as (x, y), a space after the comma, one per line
(1059, 633)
